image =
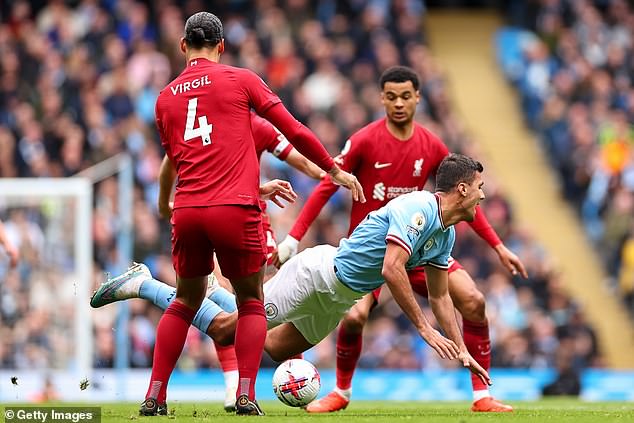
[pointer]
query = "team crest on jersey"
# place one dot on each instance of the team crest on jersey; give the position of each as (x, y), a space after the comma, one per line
(418, 167)
(428, 244)
(271, 311)
(378, 192)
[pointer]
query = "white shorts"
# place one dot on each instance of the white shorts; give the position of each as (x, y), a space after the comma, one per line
(306, 293)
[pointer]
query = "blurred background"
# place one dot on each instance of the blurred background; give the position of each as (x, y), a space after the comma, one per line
(540, 91)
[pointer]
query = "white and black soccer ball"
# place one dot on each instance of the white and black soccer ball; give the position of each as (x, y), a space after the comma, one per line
(296, 382)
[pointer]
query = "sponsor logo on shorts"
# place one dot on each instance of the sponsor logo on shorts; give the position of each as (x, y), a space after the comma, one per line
(271, 311)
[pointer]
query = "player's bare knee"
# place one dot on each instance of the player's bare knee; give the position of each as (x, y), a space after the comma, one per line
(354, 321)
(474, 306)
(220, 330)
(277, 354)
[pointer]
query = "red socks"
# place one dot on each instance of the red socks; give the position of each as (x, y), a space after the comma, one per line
(249, 344)
(226, 357)
(476, 338)
(171, 333)
(349, 347)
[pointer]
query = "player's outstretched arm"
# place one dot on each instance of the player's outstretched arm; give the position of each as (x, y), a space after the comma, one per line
(348, 180)
(301, 163)
(443, 308)
(304, 140)
(397, 281)
(167, 176)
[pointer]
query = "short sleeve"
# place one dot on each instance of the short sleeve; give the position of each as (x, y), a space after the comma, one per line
(405, 225)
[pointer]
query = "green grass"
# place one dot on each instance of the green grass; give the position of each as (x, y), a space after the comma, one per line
(557, 410)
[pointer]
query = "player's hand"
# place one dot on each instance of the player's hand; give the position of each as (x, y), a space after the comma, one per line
(444, 347)
(470, 363)
(348, 180)
(285, 250)
(277, 190)
(166, 209)
(511, 261)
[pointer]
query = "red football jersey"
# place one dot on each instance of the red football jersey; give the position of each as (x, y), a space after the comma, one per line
(385, 166)
(204, 120)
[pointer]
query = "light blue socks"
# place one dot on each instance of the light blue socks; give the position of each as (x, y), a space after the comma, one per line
(161, 295)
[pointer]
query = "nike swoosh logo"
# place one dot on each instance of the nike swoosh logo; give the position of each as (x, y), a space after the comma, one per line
(378, 165)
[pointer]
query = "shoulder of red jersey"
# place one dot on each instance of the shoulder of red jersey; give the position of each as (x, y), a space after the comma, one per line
(426, 132)
(368, 130)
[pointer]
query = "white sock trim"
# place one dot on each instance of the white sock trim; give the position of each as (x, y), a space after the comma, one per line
(479, 394)
(346, 393)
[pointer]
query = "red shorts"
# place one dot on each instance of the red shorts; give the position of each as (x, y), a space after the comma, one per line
(418, 279)
(271, 243)
(234, 233)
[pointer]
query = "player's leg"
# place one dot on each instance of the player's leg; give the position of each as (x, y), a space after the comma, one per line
(171, 333)
(192, 266)
(470, 302)
(137, 282)
(285, 341)
(226, 353)
(242, 255)
(349, 346)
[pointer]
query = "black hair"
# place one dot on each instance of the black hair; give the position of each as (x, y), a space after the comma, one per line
(203, 29)
(454, 169)
(399, 74)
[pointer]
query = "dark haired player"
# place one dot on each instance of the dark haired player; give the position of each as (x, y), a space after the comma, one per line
(393, 156)
(203, 118)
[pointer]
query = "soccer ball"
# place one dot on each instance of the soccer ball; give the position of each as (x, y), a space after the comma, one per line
(296, 382)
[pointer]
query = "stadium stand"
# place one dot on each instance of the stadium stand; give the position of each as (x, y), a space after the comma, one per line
(572, 64)
(78, 84)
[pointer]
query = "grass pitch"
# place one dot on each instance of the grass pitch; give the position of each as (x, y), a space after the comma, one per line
(556, 410)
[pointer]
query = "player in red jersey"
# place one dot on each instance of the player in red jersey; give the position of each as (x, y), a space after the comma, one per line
(203, 118)
(267, 138)
(392, 156)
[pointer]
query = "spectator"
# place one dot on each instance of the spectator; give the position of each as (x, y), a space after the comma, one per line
(581, 104)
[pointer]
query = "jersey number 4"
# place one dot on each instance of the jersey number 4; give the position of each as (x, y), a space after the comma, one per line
(204, 129)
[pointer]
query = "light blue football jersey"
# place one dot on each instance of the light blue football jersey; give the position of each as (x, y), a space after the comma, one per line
(411, 221)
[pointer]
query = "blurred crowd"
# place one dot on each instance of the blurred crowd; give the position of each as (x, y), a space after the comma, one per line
(78, 84)
(576, 80)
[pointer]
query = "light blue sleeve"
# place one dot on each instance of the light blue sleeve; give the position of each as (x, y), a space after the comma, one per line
(406, 223)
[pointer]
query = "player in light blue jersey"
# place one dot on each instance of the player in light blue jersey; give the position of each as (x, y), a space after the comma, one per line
(308, 296)
(411, 222)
